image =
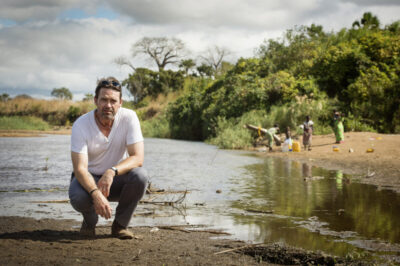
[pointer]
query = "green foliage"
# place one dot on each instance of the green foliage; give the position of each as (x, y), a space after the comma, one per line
(73, 113)
(22, 123)
(145, 82)
(61, 93)
(157, 127)
(187, 65)
(184, 116)
(205, 70)
(229, 135)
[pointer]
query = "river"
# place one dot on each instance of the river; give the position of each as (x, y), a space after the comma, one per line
(259, 199)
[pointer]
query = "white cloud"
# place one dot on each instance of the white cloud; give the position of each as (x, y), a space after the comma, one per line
(55, 54)
(42, 51)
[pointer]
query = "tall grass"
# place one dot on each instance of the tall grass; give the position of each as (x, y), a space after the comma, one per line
(23, 123)
(55, 112)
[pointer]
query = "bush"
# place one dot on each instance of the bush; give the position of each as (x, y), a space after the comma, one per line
(157, 127)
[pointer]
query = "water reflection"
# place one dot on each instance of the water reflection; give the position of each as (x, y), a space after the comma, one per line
(317, 205)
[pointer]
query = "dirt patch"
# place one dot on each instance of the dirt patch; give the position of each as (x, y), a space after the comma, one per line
(57, 242)
(379, 167)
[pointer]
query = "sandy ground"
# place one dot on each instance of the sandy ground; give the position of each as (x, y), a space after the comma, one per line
(380, 167)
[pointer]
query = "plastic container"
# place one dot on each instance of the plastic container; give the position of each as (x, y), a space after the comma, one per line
(296, 146)
(335, 148)
(287, 145)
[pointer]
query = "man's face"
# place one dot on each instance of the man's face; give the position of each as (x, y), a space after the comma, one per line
(108, 103)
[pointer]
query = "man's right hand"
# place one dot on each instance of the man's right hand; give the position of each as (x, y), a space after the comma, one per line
(101, 204)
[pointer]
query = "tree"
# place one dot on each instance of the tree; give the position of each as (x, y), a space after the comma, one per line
(186, 65)
(394, 27)
(205, 70)
(88, 97)
(162, 50)
(138, 83)
(214, 56)
(62, 93)
(4, 97)
(368, 21)
(23, 96)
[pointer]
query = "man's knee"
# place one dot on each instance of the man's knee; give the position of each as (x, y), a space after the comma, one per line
(79, 198)
(139, 176)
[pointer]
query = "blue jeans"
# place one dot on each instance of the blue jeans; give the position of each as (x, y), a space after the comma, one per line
(126, 189)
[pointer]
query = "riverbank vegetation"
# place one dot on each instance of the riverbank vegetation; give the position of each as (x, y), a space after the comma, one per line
(307, 71)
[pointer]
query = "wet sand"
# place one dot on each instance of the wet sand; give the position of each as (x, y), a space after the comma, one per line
(57, 242)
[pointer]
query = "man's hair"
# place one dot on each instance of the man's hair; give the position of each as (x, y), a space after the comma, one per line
(108, 83)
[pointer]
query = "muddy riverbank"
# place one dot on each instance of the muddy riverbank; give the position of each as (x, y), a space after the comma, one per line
(56, 242)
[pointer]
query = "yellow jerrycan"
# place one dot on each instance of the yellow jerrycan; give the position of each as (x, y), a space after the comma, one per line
(296, 146)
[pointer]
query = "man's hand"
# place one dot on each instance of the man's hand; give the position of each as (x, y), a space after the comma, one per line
(101, 204)
(105, 182)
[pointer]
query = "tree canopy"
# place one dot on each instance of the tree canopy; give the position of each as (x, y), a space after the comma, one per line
(62, 93)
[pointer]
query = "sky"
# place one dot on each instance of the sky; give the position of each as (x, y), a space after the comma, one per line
(47, 44)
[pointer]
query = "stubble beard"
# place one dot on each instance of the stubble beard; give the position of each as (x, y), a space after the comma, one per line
(107, 115)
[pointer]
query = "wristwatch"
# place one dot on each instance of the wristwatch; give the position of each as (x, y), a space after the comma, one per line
(115, 170)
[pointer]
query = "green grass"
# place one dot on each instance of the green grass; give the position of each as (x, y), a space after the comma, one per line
(22, 123)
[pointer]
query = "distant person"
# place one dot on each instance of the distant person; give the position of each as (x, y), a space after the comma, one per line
(338, 127)
(107, 153)
(308, 128)
(271, 135)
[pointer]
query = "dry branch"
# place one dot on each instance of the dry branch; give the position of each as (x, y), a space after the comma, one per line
(239, 248)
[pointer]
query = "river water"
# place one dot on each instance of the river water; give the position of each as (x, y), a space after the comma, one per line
(263, 200)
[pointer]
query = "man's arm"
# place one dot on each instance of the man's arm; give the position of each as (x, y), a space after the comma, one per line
(135, 159)
(81, 172)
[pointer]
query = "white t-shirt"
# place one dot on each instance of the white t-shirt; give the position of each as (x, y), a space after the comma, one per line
(104, 152)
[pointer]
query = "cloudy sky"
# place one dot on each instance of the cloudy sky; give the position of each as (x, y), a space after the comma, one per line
(46, 44)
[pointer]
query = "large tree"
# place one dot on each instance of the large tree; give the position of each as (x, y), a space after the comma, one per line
(61, 93)
(162, 50)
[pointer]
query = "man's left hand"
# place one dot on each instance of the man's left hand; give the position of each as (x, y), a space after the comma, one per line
(105, 182)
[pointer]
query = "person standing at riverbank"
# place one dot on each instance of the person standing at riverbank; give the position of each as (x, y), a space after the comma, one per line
(308, 127)
(107, 153)
(338, 127)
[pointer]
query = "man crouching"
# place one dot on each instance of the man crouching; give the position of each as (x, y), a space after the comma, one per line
(107, 154)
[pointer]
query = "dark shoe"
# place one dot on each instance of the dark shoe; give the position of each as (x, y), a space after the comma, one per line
(87, 231)
(120, 231)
